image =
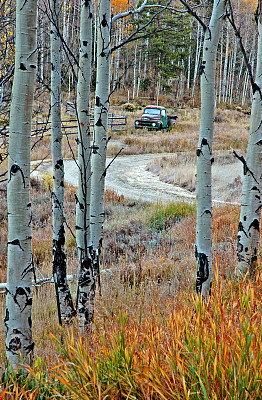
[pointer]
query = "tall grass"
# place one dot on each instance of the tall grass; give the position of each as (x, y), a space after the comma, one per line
(191, 350)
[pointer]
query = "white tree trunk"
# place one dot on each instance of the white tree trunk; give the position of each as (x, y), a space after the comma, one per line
(99, 147)
(139, 73)
(237, 95)
(189, 61)
(86, 283)
(220, 69)
(134, 75)
(225, 64)
(64, 299)
(232, 83)
(203, 247)
(197, 58)
(18, 319)
(249, 223)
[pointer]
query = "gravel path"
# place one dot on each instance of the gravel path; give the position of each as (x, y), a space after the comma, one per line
(127, 175)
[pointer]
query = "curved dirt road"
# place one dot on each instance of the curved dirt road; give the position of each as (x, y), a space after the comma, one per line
(127, 175)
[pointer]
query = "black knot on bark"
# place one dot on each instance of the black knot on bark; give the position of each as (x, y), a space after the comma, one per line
(99, 122)
(198, 152)
(202, 270)
(14, 344)
(104, 21)
(59, 164)
(22, 67)
(98, 101)
(254, 224)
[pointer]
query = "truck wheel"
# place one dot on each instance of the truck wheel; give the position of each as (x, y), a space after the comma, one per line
(160, 127)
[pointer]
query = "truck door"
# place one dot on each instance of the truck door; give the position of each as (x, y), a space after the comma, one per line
(164, 118)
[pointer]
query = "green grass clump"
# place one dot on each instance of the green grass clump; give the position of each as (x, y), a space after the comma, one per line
(36, 383)
(165, 215)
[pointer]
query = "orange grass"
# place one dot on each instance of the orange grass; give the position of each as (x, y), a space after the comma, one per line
(189, 350)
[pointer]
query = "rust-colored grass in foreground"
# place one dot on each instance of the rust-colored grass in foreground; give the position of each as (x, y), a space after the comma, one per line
(190, 350)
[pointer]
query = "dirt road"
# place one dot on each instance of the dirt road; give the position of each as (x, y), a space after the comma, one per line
(127, 175)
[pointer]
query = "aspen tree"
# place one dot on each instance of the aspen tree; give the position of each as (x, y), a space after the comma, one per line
(64, 299)
(250, 215)
(203, 246)
(100, 122)
(86, 283)
(18, 320)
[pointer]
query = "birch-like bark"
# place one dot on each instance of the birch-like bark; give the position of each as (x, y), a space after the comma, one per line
(237, 95)
(198, 51)
(189, 61)
(220, 69)
(250, 215)
(225, 65)
(100, 123)
(134, 73)
(139, 73)
(86, 282)
(203, 247)
(64, 300)
(232, 83)
(18, 319)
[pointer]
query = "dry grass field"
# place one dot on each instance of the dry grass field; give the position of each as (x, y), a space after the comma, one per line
(152, 338)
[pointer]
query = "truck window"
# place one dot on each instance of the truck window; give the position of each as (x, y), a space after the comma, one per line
(153, 111)
(163, 113)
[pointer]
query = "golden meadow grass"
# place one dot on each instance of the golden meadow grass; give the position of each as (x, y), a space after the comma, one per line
(152, 339)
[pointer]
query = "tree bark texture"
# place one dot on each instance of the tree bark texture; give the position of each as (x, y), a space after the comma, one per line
(18, 319)
(86, 283)
(203, 246)
(250, 215)
(64, 299)
(100, 123)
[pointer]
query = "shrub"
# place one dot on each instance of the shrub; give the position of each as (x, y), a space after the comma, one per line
(129, 107)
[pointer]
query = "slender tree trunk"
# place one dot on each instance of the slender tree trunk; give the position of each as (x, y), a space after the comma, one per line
(246, 80)
(225, 65)
(189, 62)
(134, 75)
(64, 299)
(98, 164)
(117, 58)
(249, 223)
(203, 247)
(238, 85)
(197, 58)
(18, 319)
(220, 69)
(86, 283)
(232, 83)
(139, 73)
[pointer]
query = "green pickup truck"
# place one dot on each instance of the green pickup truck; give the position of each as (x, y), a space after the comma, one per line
(155, 118)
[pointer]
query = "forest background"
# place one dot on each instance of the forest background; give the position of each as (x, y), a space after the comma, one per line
(148, 249)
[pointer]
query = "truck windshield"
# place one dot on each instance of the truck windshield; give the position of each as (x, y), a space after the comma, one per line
(154, 111)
